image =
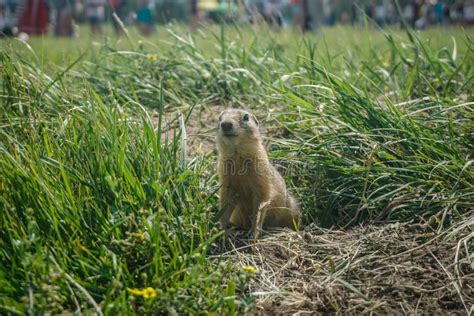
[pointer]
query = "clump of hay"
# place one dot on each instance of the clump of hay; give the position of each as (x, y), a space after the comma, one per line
(391, 268)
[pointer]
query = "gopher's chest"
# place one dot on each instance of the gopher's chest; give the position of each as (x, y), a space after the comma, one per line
(250, 187)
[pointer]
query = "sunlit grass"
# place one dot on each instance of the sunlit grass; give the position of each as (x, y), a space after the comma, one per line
(95, 199)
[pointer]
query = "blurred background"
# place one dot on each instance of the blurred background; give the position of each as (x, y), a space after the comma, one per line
(64, 17)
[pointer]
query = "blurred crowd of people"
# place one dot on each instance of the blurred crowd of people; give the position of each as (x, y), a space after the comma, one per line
(422, 13)
(308, 14)
(35, 17)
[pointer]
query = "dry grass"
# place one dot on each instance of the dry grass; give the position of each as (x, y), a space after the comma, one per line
(391, 268)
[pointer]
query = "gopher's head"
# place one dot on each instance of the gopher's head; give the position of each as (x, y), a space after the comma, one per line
(236, 128)
(235, 123)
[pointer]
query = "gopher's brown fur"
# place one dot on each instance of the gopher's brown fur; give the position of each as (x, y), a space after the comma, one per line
(252, 192)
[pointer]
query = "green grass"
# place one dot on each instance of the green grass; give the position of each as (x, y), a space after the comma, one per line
(95, 199)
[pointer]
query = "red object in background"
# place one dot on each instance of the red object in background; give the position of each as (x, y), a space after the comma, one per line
(114, 3)
(34, 19)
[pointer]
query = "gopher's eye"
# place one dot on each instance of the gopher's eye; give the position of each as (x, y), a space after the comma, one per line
(245, 118)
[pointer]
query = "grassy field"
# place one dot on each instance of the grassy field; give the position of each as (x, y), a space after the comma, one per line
(108, 188)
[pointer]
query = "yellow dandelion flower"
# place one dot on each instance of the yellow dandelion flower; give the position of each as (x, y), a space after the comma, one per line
(152, 57)
(386, 63)
(249, 269)
(146, 293)
(149, 292)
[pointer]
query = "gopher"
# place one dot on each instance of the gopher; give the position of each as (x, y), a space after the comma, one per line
(252, 193)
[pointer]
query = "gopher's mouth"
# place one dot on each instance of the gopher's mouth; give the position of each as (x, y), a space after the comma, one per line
(229, 134)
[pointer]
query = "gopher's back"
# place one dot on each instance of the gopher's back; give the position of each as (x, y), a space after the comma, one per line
(283, 210)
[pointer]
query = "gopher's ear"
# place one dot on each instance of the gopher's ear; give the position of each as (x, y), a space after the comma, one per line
(255, 119)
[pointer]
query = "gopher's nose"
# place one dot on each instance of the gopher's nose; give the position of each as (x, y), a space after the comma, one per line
(226, 126)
